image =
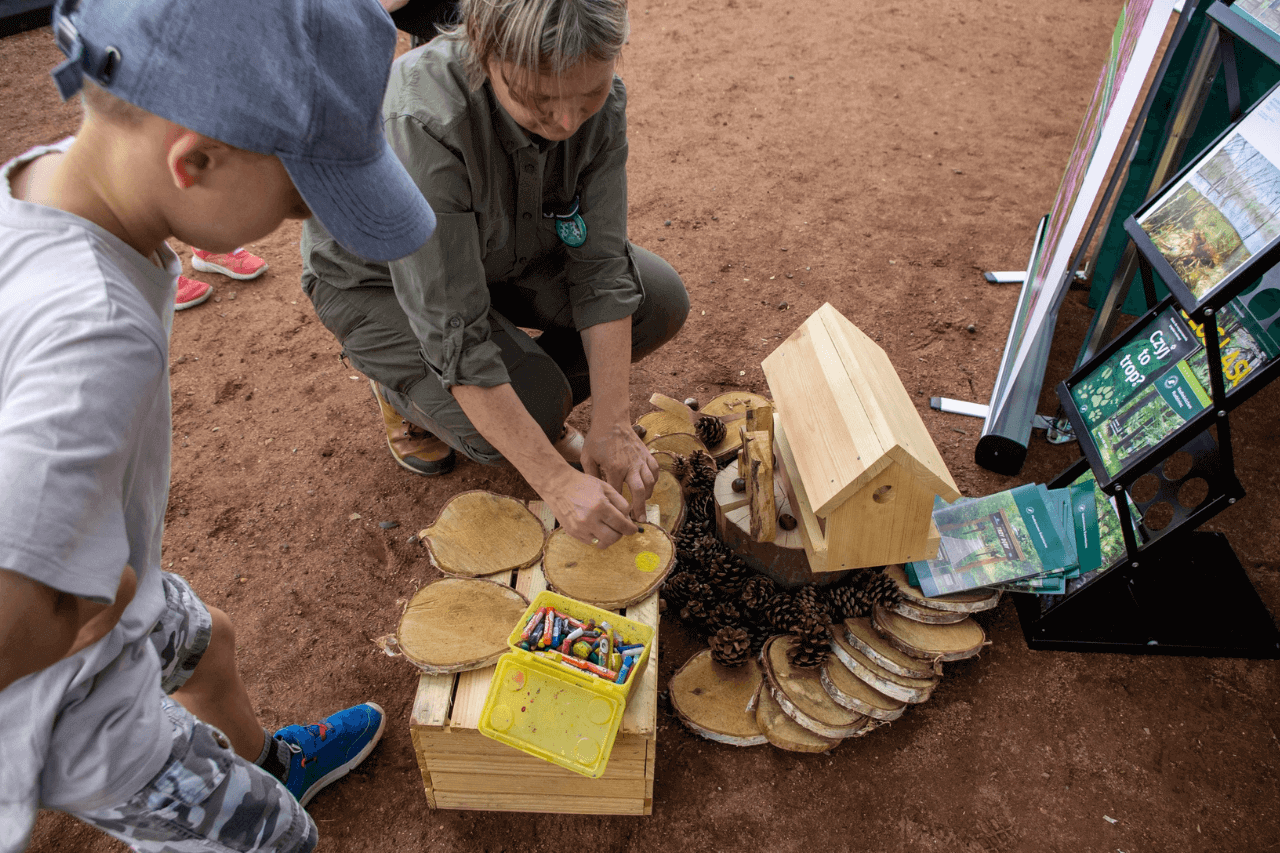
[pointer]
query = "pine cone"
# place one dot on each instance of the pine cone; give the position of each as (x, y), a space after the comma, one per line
(755, 595)
(874, 587)
(731, 646)
(811, 646)
(697, 611)
(678, 586)
(845, 604)
(680, 467)
(723, 615)
(782, 613)
(811, 601)
(701, 478)
(710, 429)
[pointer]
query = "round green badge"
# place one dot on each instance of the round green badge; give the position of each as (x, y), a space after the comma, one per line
(571, 230)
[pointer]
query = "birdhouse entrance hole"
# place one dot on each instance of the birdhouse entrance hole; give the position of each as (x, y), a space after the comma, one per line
(882, 495)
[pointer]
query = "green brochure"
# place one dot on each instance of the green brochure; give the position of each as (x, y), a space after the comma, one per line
(991, 540)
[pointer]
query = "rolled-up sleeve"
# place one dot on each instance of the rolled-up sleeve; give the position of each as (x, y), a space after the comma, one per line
(442, 286)
(602, 284)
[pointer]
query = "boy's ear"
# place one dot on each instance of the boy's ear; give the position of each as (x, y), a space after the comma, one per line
(188, 157)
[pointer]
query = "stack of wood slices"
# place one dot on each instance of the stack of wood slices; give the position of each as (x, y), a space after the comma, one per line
(797, 659)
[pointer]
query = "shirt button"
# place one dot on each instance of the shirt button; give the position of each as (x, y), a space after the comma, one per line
(221, 739)
(528, 167)
(455, 322)
(524, 260)
(526, 215)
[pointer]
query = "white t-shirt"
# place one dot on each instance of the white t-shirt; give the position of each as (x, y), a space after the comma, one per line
(84, 477)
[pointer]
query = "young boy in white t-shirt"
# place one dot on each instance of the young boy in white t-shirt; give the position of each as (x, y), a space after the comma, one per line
(213, 122)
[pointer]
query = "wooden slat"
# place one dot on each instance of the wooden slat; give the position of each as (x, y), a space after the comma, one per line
(540, 803)
(830, 432)
(811, 533)
(878, 380)
(431, 703)
(641, 714)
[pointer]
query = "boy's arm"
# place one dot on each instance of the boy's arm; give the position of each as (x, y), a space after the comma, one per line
(40, 626)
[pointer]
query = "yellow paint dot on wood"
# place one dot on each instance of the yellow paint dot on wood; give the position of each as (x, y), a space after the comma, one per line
(647, 561)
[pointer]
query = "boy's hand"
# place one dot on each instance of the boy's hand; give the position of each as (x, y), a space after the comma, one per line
(40, 626)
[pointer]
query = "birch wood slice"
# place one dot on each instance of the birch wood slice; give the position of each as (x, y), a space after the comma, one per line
(664, 423)
(676, 443)
(969, 601)
(922, 613)
(716, 701)
(669, 498)
(957, 641)
(626, 572)
(900, 687)
(429, 635)
(850, 691)
(730, 408)
(862, 636)
(784, 732)
(801, 696)
(479, 533)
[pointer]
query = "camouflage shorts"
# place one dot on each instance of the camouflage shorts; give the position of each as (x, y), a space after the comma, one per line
(182, 634)
(206, 799)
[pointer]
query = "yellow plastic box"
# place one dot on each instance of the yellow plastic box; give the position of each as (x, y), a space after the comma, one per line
(551, 711)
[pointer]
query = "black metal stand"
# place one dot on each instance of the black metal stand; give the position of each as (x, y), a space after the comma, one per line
(1194, 599)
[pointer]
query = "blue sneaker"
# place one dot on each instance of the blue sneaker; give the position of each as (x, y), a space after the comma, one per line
(326, 751)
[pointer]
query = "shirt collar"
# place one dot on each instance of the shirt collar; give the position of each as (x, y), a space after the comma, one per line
(512, 136)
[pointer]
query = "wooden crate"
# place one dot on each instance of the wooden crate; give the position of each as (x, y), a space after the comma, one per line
(463, 769)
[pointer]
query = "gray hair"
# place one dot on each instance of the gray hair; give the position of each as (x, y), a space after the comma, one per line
(538, 36)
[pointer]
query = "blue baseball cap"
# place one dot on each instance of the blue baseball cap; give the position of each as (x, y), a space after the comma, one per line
(302, 80)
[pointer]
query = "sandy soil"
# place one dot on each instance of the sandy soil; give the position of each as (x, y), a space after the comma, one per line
(877, 156)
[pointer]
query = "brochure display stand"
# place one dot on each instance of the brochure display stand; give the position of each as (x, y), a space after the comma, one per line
(1151, 409)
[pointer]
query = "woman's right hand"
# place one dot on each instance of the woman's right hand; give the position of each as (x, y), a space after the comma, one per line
(590, 509)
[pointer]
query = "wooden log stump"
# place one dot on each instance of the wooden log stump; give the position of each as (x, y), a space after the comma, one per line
(626, 572)
(717, 701)
(956, 641)
(479, 533)
(784, 559)
(428, 634)
(801, 696)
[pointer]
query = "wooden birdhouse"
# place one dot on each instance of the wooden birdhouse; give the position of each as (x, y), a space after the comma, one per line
(852, 449)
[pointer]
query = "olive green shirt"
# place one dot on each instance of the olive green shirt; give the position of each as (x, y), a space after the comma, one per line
(490, 182)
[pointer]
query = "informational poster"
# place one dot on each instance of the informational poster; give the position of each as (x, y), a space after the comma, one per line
(1266, 13)
(1159, 378)
(1226, 209)
(1135, 43)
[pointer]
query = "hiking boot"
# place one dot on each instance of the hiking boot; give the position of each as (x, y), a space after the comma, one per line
(191, 292)
(239, 264)
(413, 447)
(325, 752)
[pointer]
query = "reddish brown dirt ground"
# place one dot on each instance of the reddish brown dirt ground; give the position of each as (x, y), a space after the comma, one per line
(877, 156)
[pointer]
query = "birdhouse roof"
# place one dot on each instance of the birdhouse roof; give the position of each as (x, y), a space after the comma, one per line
(846, 413)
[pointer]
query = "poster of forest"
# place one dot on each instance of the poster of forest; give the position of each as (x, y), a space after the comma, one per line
(1225, 210)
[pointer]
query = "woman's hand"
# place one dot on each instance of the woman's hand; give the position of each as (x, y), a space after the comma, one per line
(615, 454)
(589, 509)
